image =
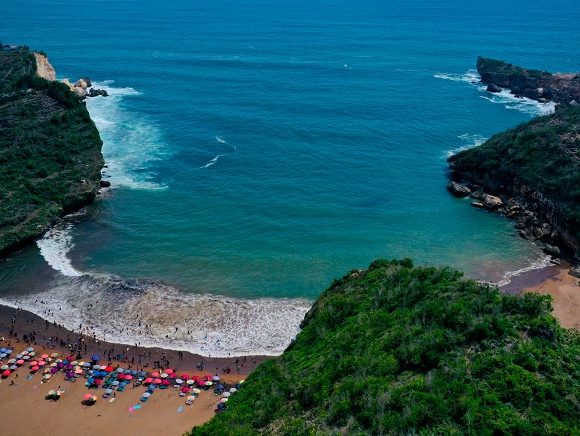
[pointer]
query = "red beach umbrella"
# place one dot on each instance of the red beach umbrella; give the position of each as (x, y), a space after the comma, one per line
(148, 380)
(128, 377)
(35, 368)
(87, 397)
(185, 377)
(155, 374)
(98, 381)
(157, 381)
(121, 376)
(109, 368)
(6, 373)
(165, 383)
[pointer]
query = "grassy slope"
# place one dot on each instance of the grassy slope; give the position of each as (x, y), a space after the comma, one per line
(543, 154)
(397, 349)
(50, 151)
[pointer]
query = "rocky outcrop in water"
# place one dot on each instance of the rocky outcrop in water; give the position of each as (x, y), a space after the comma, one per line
(538, 85)
(531, 174)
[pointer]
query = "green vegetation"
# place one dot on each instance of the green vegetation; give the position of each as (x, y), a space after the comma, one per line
(543, 154)
(402, 350)
(497, 67)
(50, 158)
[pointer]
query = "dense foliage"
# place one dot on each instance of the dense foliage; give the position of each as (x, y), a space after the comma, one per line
(543, 154)
(402, 350)
(50, 157)
(497, 67)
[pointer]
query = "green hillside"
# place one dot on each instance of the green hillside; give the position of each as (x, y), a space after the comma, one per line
(402, 350)
(50, 151)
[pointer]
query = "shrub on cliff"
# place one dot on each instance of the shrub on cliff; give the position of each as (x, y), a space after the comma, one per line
(402, 350)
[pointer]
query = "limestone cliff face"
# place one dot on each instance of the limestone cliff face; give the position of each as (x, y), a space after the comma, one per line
(43, 67)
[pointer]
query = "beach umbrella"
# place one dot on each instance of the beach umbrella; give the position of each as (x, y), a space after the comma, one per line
(179, 381)
(27, 357)
(155, 374)
(78, 371)
(87, 397)
(41, 363)
(95, 357)
(2, 355)
(3, 367)
(208, 383)
(226, 394)
(190, 398)
(19, 356)
(185, 376)
(115, 383)
(120, 370)
(165, 382)
(5, 373)
(233, 390)
(44, 356)
(98, 381)
(164, 375)
(29, 349)
(121, 376)
(129, 377)
(215, 378)
(86, 364)
(32, 353)
(157, 381)
(35, 368)
(13, 367)
(54, 355)
(185, 389)
(196, 391)
(96, 367)
(12, 361)
(190, 382)
(52, 392)
(74, 363)
(19, 362)
(108, 368)
(109, 391)
(224, 400)
(46, 376)
(146, 394)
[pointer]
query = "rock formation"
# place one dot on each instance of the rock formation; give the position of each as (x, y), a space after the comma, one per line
(563, 89)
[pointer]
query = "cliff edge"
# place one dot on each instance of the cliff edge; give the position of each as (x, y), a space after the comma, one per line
(563, 89)
(50, 149)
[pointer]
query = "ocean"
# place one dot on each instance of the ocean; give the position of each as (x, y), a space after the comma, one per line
(259, 149)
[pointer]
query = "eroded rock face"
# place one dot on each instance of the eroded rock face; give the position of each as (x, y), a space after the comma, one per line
(43, 67)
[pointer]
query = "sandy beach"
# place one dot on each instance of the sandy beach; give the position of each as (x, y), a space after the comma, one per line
(25, 410)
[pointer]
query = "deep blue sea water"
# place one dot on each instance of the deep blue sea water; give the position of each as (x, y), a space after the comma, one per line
(258, 149)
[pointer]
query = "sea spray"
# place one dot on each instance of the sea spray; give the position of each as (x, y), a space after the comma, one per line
(131, 142)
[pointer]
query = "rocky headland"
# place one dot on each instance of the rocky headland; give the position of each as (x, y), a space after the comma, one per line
(50, 149)
(561, 88)
(531, 173)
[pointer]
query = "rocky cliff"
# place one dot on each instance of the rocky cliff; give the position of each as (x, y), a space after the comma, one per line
(50, 150)
(534, 170)
(538, 85)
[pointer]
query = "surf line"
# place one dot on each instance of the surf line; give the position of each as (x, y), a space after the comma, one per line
(216, 158)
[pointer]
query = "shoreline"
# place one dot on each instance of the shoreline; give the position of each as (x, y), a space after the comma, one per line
(52, 336)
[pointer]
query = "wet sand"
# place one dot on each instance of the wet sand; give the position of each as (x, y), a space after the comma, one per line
(557, 282)
(24, 409)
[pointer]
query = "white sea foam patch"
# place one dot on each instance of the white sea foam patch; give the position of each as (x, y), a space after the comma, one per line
(539, 263)
(54, 247)
(153, 314)
(505, 97)
(131, 143)
(471, 76)
(469, 141)
(522, 104)
(214, 160)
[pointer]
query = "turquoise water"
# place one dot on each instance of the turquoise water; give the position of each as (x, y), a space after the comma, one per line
(260, 149)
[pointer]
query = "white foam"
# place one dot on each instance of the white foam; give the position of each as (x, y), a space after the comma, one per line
(212, 162)
(131, 143)
(470, 141)
(540, 263)
(471, 76)
(505, 97)
(119, 310)
(54, 247)
(522, 104)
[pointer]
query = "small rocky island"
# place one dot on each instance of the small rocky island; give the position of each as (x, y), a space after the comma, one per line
(50, 149)
(561, 88)
(530, 173)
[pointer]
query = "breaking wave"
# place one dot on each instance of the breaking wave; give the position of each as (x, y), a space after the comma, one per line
(469, 141)
(153, 314)
(505, 97)
(540, 263)
(131, 143)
